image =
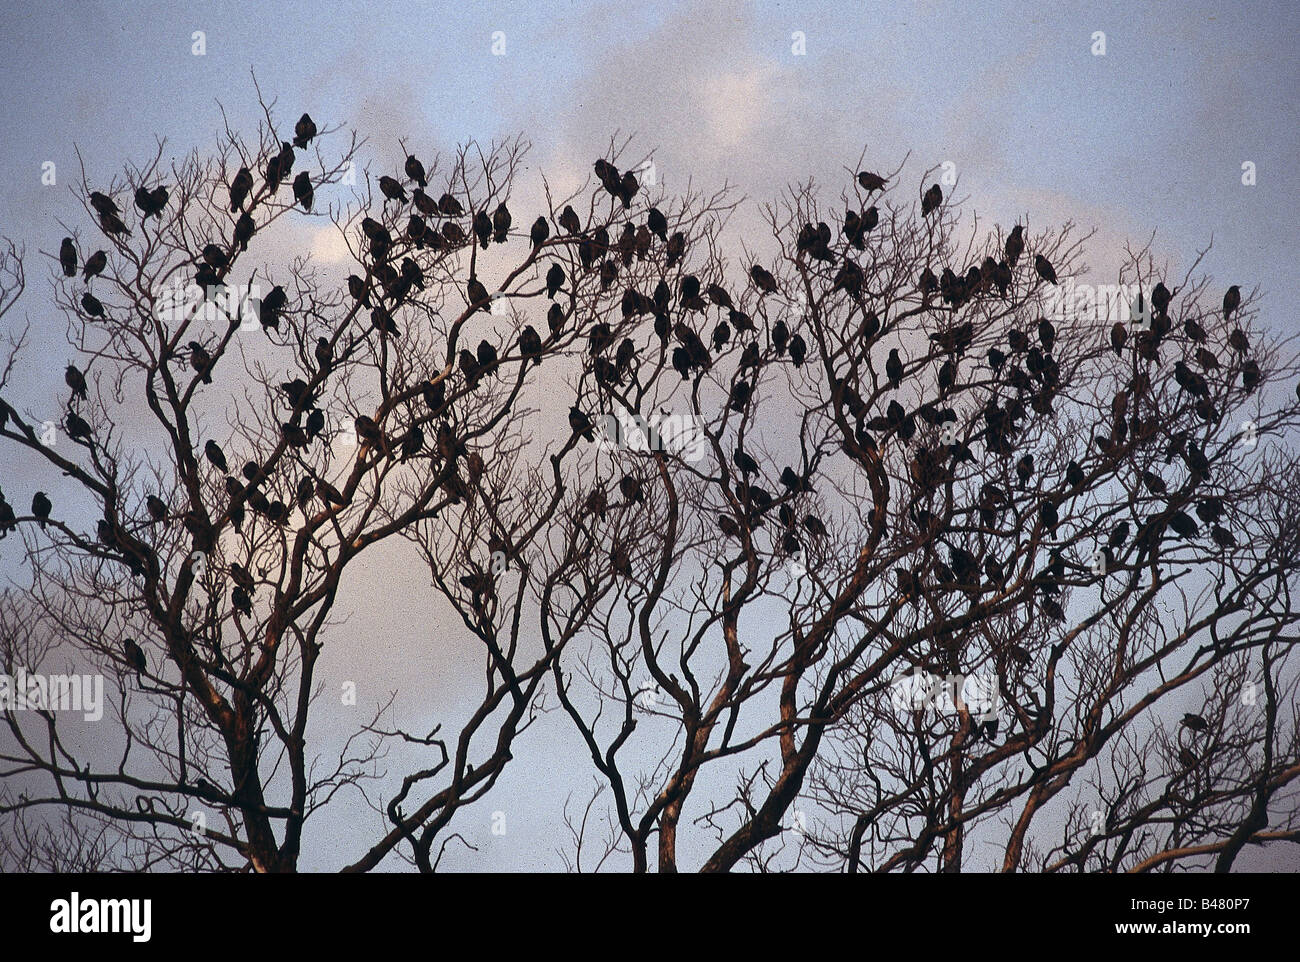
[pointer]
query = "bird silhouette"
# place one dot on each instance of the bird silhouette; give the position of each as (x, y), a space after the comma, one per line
(415, 171)
(41, 507)
(1231, 301)
(931, 200)
(391, 189)
(76, 381)
(68, 257)
(539, 232)
(1044, 268)
(302, 190)
(213, 452)
(871, 182)
(303, 131)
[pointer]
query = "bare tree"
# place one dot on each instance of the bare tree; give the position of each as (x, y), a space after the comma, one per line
(807, 505)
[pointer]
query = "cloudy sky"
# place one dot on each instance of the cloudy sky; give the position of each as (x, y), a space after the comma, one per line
(1150, 136)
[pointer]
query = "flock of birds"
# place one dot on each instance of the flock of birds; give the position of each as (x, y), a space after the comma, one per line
(1025, 364)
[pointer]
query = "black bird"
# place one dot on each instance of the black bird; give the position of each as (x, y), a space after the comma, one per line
(482, 227)
(77, 428)
(1046, 334)
(151, 202)
(931, 201)
(368, 432)
(244, 230)
(135, 656)
(780, 336)
(814, 526)
(391, 189)
(91, 305)
(240, 188)
(382, 320)
(1238, 341)
(1044, 268)
(554, 280)
(1250, 376)
(1231, 301)
(112, 225)
(1118, 335)
(1223, 537)
(478, 295)
(315, 423)
(302, 190)
(1015, 245)
(1160, 298)
(294, 435)
(41, 507)
(68, 257)
(539, 232)
(631, 489)
(271, 306)
(530, 343)
(798, 350)
(763, 279)
(555, 318)
(1025, 469)
(871, 182)
(76, 381)
(415, 170)
(95, 265)
(303, 131)
(501, 221)
(103, 204)
(676, 248)
(214, 454)
(200, 361)
(894, 368)
(580, 423)
(157, 508)
(1195, 722)
(744, 462)
(450, 206)
(1074, 474)
(569, 220)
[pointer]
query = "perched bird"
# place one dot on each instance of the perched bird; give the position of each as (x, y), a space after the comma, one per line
(1195, 722)
(151, 202)
(1015, 245)
(91, 305)
(244, 230)
(539, 232)
(76, 381)
(303, 131)
(68, 257)
(95, 265)
(302, 190)
(135, 656)
(450, 206)
(478, 295)
(213, 452)
(501, 221)
(931, 201)
(871, 182)
(631, 490)
(415, 171)
(1231, 301)
(368, 432)
(580, 423)
(103, 204)
(894, 368)
(554, 280)
(569, 220)
(157, 508)
(1044, 268)
(763, 279)
(41, 507)
(482, 227)
(391, 189)
(240, 188)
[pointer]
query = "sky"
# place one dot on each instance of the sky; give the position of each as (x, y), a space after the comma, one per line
(1149, 137)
